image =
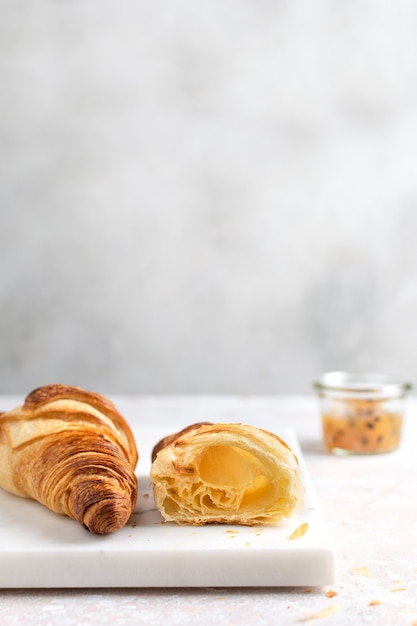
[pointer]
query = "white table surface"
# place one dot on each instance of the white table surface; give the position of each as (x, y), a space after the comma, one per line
(370, 504)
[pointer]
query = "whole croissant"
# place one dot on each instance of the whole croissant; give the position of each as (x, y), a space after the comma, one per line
(71, 450)
(225, 474)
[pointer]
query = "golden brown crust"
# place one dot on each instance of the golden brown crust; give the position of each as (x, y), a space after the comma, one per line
(166, 441)
(71, 450)
(225, 473)
(176, 437)
(43, 395)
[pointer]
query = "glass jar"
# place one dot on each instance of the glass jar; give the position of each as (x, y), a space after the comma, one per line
(361, 413)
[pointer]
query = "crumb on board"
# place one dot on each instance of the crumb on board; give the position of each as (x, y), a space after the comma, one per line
(326, 612)
(362, 571)
(299, 532)
(396, 589)
(331, 593)
(374, 602)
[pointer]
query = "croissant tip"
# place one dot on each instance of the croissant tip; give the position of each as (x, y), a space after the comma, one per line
(106, 516)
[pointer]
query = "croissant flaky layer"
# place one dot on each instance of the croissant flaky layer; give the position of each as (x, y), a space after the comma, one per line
(71, 450)
(225, 473)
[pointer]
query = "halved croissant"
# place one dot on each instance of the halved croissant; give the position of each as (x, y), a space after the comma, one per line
(225, 473)
(71, 450)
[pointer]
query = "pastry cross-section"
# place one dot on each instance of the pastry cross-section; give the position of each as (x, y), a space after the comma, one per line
(225, 473)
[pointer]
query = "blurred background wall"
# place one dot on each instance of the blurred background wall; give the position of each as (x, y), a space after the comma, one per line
(213, 197)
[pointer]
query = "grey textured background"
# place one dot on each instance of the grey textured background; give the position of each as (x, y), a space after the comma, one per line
(214, 197)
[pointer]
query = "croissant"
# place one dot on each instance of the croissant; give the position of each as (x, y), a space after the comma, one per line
(72, 451)
(225, 473)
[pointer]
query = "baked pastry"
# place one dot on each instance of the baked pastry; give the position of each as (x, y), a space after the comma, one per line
(225, 474)
(71, 450)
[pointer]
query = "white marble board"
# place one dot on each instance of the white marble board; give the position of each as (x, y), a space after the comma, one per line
(39, 549)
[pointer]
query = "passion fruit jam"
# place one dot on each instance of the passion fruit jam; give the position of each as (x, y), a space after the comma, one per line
(361, 413)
